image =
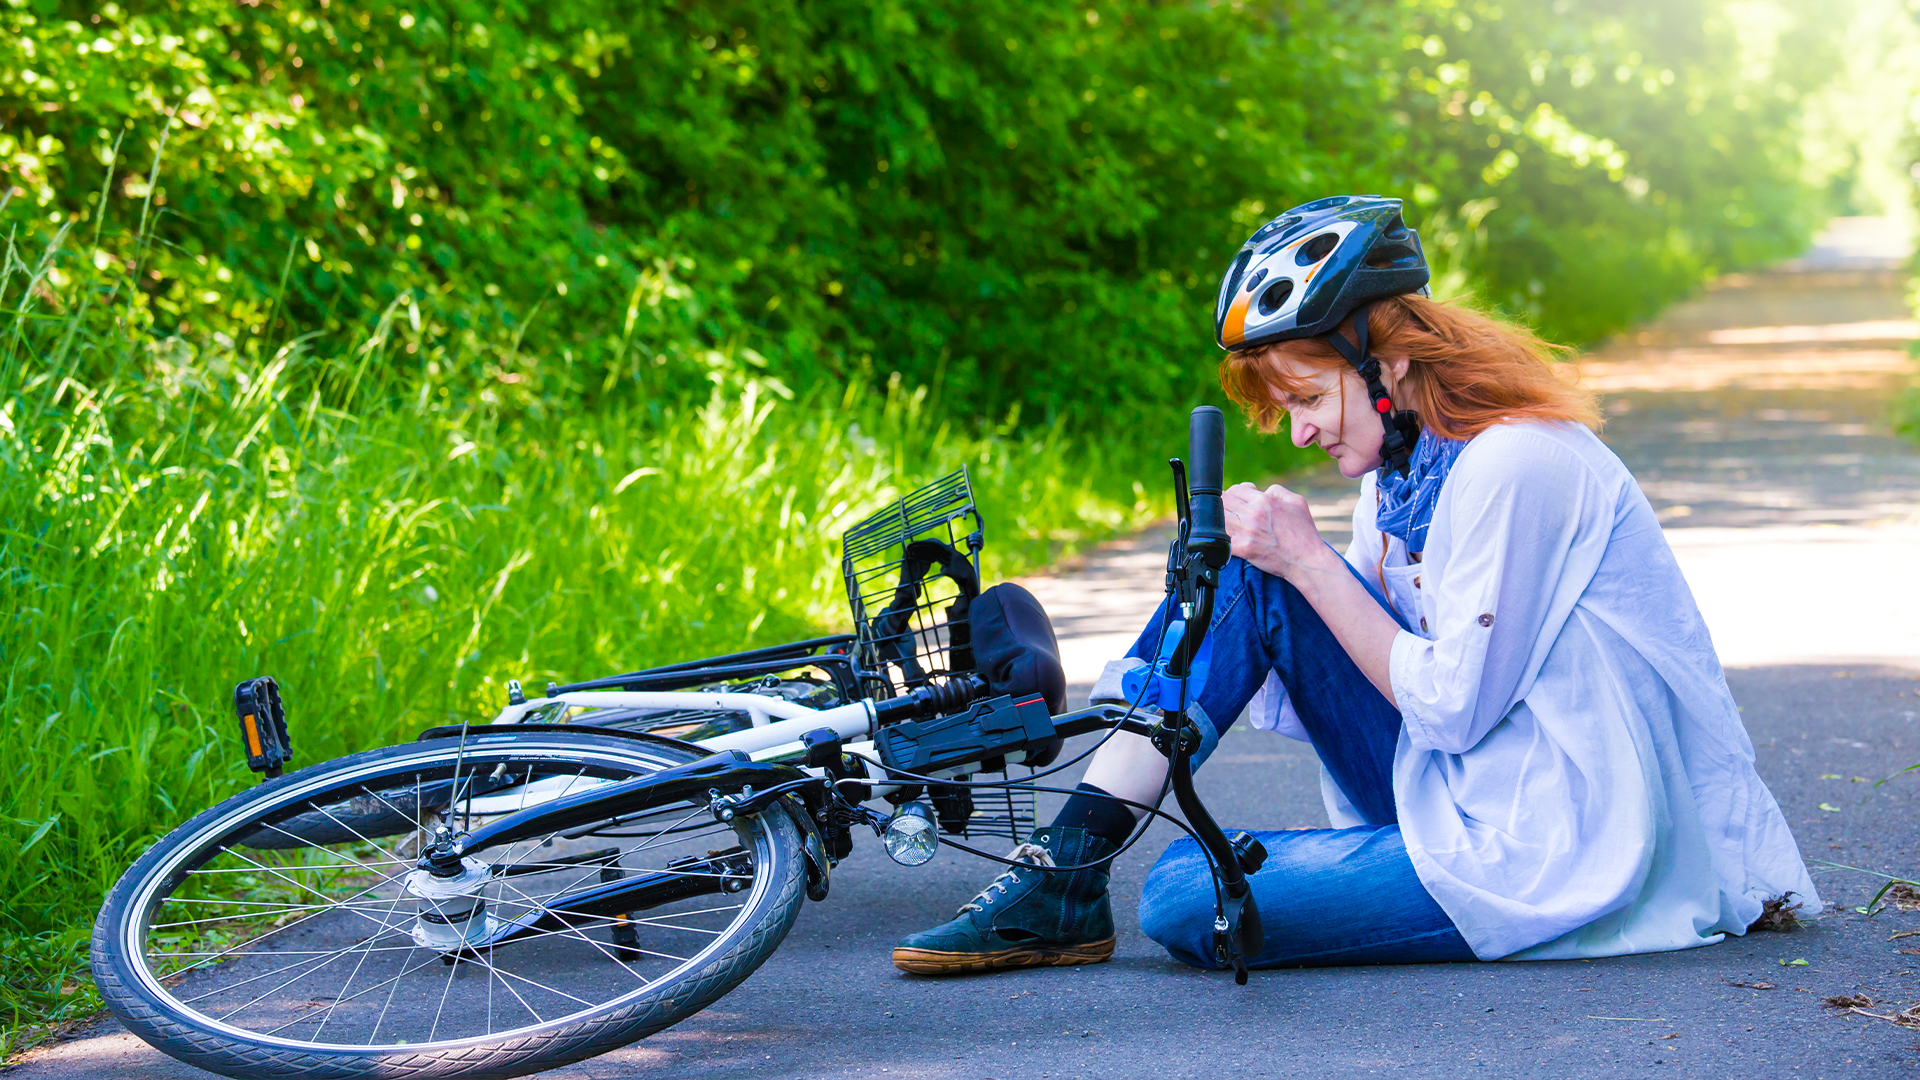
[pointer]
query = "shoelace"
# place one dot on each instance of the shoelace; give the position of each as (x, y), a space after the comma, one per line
(1030, 854)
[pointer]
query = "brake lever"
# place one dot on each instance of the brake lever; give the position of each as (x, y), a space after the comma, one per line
(1182, 504)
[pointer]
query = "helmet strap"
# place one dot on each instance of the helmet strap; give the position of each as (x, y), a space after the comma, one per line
(1401, 427)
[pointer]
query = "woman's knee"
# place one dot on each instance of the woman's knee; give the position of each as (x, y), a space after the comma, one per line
(1176, 904)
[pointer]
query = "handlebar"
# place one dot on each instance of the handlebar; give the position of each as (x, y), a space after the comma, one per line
(1200, 549)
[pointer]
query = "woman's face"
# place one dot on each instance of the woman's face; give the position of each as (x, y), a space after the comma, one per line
(1334, 413)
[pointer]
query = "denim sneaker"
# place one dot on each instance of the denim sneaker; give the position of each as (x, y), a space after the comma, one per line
(1026, 917)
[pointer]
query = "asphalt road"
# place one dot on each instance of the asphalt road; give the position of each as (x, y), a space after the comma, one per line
(1791, 509)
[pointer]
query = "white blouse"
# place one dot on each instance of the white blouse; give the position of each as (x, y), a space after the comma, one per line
(1572, 778)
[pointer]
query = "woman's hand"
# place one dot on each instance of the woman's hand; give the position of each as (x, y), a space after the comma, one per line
(1274, 530)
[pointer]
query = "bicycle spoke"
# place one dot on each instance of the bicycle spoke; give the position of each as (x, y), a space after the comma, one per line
(442, 1008)
(332, 904)
(365, 954)
(603, 950)
(668, 831)
(493, 973)
(404, 972)
(242, 916)
(276, 930)
(418, 825)
(197, 871)
(317, 939)
(532, 982)
(277, 989)
(332, 953)
(278, 906)
(654, 920)
(312, 847)
(278, 874)
(535, 843)
(357, 834)
(300, 952)
(710, 830)
(604, 921)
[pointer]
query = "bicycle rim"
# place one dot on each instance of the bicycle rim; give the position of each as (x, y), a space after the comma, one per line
(324, 947)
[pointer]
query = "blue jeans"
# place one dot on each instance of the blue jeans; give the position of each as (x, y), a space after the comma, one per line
(1327, 897)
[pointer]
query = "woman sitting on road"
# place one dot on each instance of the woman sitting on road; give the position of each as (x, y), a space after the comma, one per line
(1528, 748)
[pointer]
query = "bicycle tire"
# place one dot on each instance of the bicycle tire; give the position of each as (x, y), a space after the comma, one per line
(360, 816)
(156, 1007)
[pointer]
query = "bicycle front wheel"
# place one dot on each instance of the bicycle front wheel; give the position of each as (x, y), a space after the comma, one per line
(316, 954)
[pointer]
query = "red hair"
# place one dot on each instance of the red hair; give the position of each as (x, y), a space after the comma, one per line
(1467, 371)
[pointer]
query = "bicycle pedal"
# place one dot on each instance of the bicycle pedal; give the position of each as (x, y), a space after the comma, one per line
(626, 941)
(263, 725)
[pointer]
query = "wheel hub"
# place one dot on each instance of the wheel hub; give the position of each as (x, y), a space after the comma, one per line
(452, 911)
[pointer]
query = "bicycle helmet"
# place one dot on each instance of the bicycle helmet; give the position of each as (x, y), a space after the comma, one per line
(1303, 273)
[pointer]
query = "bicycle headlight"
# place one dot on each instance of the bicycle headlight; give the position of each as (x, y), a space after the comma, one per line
(911, 836)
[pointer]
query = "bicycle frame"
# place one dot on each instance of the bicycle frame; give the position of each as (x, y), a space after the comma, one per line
(774, 736)
(752, 773)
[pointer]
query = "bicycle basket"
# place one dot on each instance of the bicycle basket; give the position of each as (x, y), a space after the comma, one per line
(911, 571)
(980, 813)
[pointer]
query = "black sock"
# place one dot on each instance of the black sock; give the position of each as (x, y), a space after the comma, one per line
(1094, 810)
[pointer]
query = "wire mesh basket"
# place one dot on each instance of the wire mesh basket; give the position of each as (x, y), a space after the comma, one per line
(911, 571)
(988, 813)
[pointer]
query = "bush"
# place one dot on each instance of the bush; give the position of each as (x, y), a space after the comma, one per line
(1613, 156)
(1011, 203)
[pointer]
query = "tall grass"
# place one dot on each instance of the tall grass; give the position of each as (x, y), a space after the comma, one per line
(393, 545)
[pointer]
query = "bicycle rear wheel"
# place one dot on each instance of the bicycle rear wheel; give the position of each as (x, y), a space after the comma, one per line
(312, 955)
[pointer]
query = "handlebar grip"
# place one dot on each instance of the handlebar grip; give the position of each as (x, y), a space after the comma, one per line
(948, 697)
(1206, 451)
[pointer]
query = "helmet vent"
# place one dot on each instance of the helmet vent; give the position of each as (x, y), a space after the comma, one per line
(1233, 281)
(1387, 255)
(1318, 205)
(1276, 296)
(1317, 248)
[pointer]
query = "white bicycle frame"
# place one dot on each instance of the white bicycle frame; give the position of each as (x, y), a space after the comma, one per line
(774, 736)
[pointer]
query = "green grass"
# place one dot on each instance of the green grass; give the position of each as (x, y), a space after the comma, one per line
(393, 544)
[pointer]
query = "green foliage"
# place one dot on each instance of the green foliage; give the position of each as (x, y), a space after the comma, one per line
(1905, 412)
(1000, 200)
(1609, 157)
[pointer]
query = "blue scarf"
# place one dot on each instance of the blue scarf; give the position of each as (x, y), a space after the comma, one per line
(1407, 502)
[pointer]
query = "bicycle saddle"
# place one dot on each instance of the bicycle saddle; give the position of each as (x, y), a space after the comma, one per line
(1015, 651)
(1014, 648)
